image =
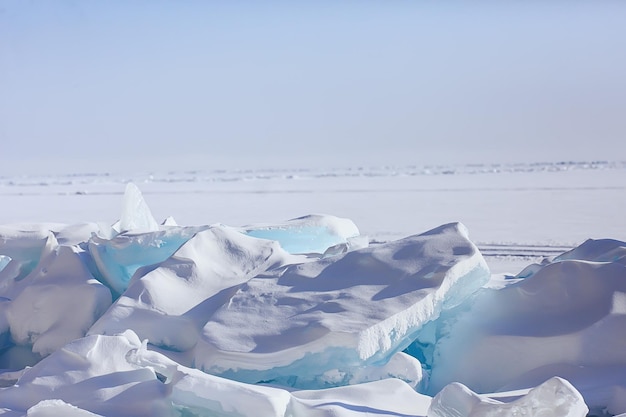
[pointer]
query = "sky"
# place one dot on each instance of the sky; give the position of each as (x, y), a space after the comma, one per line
(309, 83)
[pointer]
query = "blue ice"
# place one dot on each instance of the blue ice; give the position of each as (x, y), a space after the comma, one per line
(119, 258)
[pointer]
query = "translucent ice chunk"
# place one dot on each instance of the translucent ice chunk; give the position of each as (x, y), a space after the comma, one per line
(308, 234)
(136, 214)
(170, 304)
(4, 261)
(117, 259)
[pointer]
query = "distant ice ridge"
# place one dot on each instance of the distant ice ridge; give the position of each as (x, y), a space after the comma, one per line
(237, 175)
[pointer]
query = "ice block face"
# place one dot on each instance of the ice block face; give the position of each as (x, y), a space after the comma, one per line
(312, 325)
(117, 259)
(312, 234)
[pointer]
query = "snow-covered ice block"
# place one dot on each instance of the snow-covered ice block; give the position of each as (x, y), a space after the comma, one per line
(170, 304)
(93, 374)
(21, 248)
(117, 259)
(554, 398)
(196, 393)
(313, 324)
(312, 234)
(597, 250)
(21, 245)
(567, 319)
(593, 250)
(54, 304)
(119, 376)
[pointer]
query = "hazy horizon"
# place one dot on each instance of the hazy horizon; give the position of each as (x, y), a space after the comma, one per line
(309, 84)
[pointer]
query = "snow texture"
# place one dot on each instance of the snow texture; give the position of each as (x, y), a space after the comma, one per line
(568, 318)
(141, 319)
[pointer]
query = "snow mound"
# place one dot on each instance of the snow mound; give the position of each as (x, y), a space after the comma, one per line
(567, 319)
(312, 324)
(554, 398)
(39, 313)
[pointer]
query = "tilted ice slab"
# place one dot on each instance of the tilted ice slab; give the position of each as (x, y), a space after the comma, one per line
(170, 304)
(314, 324)
(93, 374)
(311, 234)
(136, 214)
(566, 319)
(117, 259)
(55, 303)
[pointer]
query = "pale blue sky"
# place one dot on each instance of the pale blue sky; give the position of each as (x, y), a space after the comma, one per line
(314, 82)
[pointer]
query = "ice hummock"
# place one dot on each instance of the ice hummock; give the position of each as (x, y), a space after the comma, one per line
(311, 325)
(181, 286)
(243, 307)
(566, 319)
(170, 304)
(40, 312)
